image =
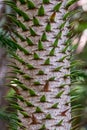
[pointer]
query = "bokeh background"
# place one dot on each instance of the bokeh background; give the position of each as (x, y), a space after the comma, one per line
(79, 43)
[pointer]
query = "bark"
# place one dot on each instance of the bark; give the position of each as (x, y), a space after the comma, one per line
(49, 77)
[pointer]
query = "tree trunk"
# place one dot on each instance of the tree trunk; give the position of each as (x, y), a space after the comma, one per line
(43, 69)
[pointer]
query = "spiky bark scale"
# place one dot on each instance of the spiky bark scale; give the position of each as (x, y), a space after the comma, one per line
(46, 66)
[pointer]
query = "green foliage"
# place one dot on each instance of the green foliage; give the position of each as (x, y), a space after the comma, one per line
(57, 7)
(19, 12)
(5, 41)
(29, 41)
(55, 106)
(43, 127)
(48, 116)
(25, 114)
(36, 21)
(52, 78)
(57, 68)
(48, 27)
(52, 52)
(30, 67)
(46, 1)
(43, 98)
(44, 37)
(47, 61)
(55, 43)
(41, 11)
(13, 45)
(38, 110)
(22, 1)
(11, 118)
(70, 2)
(40, 46)
(29, 104)
(32, 92)
(30, 4)
(36, 83)
(41, 72)
(59, 94)
(36, 56)
(59, 123)
(32, 32)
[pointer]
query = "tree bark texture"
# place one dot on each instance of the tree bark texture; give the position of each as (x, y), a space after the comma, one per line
(44, 82)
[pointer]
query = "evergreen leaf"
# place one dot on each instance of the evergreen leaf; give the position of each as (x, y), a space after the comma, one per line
(57, 7)
(32, 92)
(41, 11)
(30, 4)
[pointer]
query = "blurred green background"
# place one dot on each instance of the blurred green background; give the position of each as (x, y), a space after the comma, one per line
(79, 26)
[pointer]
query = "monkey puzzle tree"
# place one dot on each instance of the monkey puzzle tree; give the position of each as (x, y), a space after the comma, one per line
(42, 64)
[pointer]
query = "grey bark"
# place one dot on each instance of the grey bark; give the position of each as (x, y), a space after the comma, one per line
(36, 120)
